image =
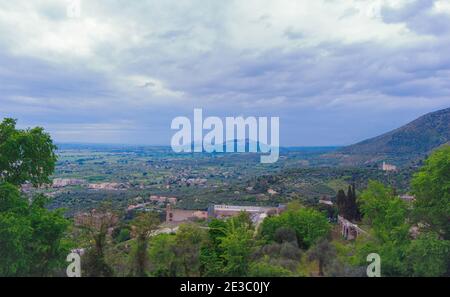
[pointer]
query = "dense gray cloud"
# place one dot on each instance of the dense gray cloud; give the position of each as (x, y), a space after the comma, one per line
(123, 70)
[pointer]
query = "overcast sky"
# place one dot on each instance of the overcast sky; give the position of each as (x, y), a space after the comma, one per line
(335, 72)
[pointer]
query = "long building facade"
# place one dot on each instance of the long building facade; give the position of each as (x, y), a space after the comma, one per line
(221, 211)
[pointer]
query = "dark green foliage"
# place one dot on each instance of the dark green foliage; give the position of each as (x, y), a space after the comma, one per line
(324, 253)
(31, 237)
(25, 155)
(428, 256)
(310, 225)
(162, 255)
(143, 226)
(401, 253)
(95, 228)
(264, 269)
(431, 186)
(348, 205)
(285, 234)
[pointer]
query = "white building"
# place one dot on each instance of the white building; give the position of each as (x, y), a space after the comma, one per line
(388, 167)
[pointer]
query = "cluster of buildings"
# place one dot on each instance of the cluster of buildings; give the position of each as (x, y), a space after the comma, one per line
(108, 186)
(59, 183)
(163, 199)
(153, 200)
(257, 213)
(388, 167)
(65, 182)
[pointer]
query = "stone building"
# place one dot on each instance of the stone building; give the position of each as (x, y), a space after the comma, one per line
(388, 167)
(183, 215)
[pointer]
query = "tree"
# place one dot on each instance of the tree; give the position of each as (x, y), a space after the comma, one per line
(347, 204)
(285, 234)
(25, 155)
(143, 226)
(236, 245)
(189, 240)
(49, 246)
(285, 255)
(15, 232)
(32, 238)
(431, 187)
(95, 226)
(309, 225)
(324, 253)
(234, 239)
(210, 254)
(163, 259)
(428, 255)
(387, 214)
(341, 201)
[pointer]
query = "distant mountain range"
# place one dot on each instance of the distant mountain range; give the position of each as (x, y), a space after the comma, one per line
(407, 143)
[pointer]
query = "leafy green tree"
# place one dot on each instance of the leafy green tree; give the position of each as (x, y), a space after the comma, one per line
(189, 240)
(210, 254)
(179, 254)
(387, 215)
(211, 262)
(49, 245)
(25, 155)
(428, 255)
(285, 234)
(95, 226)
(431, 187)
(143, 226)
(32, 238)
(237, 247)
(15, 232)
(162, 256)
(324, 252)
(310, 225)
(385, 212)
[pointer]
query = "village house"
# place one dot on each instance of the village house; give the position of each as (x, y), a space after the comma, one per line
(184, 215)
(388, 167)
(257, 213)
(64, 182)
(223, 211)
(163, 199)
(108, 186)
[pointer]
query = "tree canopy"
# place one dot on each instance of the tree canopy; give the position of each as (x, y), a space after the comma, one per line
(32, 238)
(25, 155)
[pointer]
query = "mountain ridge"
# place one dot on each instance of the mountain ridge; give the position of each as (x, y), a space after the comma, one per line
(411, 141)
